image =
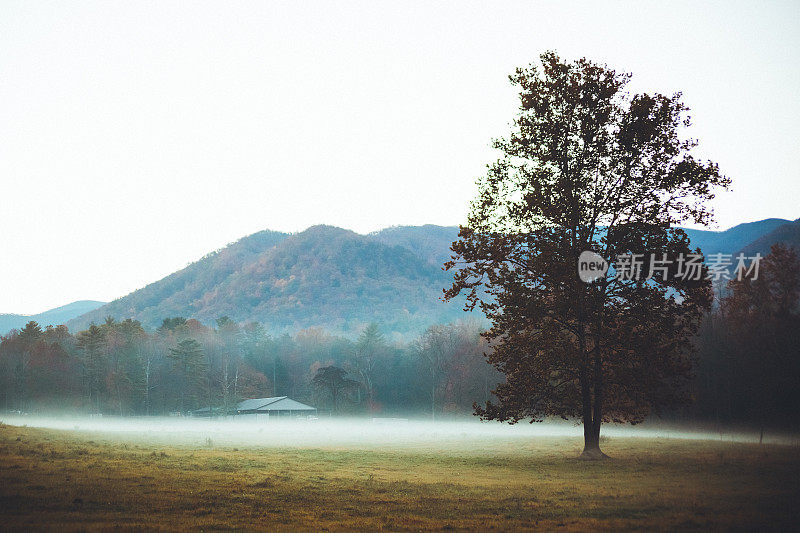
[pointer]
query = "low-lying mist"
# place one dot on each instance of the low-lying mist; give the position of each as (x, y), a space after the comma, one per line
(354, 432)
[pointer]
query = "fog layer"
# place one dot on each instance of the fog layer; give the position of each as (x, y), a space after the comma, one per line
(354, 433)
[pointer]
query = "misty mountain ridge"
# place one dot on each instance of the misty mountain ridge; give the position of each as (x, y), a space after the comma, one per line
(733, 240)
(51, 317)
(787, 234)
(340, 280)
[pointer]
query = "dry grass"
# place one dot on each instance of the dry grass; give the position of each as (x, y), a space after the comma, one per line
(75, 481)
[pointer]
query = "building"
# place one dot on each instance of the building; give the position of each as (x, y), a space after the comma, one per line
(260, 408)
(275, 406)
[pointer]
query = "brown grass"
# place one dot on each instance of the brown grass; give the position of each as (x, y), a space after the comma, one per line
(64, 480)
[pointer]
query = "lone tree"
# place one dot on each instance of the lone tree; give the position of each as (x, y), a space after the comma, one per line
(333, 381)
(587, 167)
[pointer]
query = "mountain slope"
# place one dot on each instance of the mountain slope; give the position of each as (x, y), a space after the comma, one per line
(430, 242)
(340, 280)
(324, 276)
(433, 242)
(51, 317)
(733, 239)
(178, 293)
(788, 234)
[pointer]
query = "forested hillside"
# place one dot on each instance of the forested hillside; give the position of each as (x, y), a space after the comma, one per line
(324, 276)
(340, 280)
(432, 243)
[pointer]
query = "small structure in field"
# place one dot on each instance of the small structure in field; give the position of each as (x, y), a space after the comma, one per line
(259, 408)
(275, 406)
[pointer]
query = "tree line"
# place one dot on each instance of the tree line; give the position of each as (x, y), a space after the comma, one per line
(748, 365)
(119, 368)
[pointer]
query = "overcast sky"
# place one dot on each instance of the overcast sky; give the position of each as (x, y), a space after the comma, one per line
(136, 137)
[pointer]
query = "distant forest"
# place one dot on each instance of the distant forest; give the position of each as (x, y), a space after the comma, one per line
(118, 368)
(747, 366)
(748, 363)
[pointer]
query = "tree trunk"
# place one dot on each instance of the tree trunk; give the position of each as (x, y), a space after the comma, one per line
(225, 386)
(433, 403)
(119, 396)
(147, 387)
(591, 437)
(592, 410)
(592, 418)
(591, 442)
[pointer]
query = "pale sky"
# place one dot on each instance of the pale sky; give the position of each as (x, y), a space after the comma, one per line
(135, 137)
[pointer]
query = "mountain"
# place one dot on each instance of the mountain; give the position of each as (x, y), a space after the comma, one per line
(788, 234)
(179, 292)
(340, 280)
(733, 239)
(324, 276)
(432, 243)
(52, 317)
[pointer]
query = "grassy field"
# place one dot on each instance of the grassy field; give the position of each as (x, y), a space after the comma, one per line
(68, 480)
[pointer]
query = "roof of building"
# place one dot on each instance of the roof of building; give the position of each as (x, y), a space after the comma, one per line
(276, 403)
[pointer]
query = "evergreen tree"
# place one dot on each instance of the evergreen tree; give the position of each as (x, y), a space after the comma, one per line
(189, 365)
(92, 343)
